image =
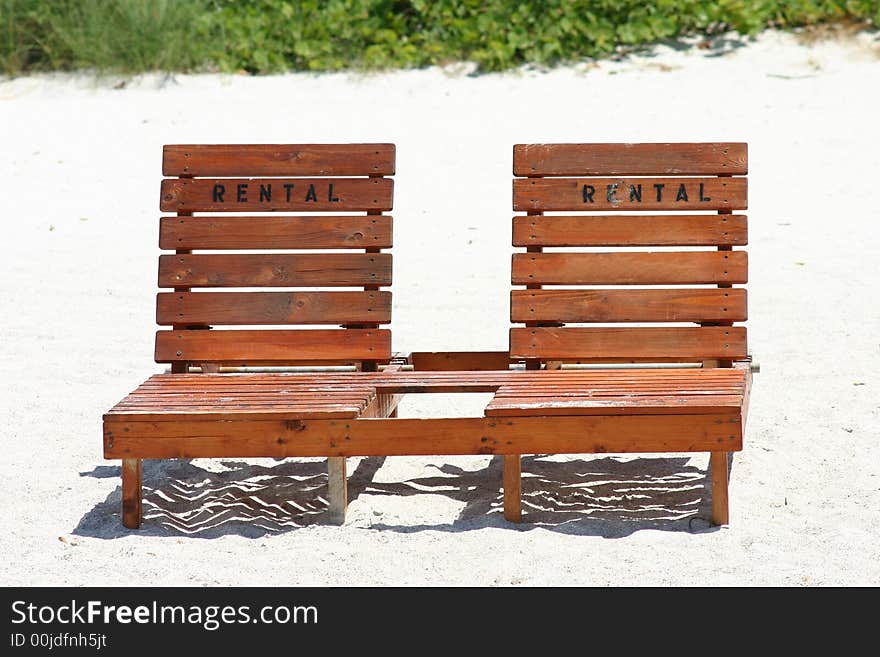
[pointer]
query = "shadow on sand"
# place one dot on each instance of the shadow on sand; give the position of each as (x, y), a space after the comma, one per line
(597, 496)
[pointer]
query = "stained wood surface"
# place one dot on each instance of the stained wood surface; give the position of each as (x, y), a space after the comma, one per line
(634, 305)
(725, 342)
(401, 382)
(254, 308)
(278, 160)
(460, 360)
(718, 465)
(276, 194)
(230, 346)
(275, 270)
(309, 232)
(398, 437)
(630, 268)
(512, 480)
(605, 194)
(630, 159)
(625, 230)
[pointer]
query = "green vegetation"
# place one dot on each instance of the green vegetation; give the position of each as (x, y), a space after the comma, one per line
(263, 36)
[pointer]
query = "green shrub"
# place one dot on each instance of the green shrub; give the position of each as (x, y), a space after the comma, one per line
(262, 36)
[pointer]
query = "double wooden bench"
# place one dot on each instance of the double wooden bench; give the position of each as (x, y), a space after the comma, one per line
(549, 395)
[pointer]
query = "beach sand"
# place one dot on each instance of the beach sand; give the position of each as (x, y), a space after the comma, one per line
(82, 163)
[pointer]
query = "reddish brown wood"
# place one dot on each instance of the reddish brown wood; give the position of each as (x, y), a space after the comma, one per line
(630, 159)
(182, 437)
(670, 403)
(278, 160)
(512, 482)
(309, 232)
(275, 270)
(132, 496)
(256, 346)
(626, 230)
(720, 508)
(606, 194)
(459, 360)
(630, 268)
(276, 194)
(684, 343)
(650, 305)
(253, 308)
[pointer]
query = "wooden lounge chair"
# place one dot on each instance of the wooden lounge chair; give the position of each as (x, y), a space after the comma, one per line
(632, 195)
(253, 249)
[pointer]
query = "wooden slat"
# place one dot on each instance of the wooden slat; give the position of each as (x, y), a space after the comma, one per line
(653, 305)
(240, 308)
(271, 345)
(309, 232)
(616, 405)
(630, 268)
(637, 230)
(630, 159)
(184, 438)
(460, 360)
(278, 160)
(274, 194)
(604, 194)
(275, 270)
(685, 343)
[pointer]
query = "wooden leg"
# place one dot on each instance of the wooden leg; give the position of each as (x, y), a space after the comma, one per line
(718, 465)
(338, 489)
(132, 506)
(512, 487)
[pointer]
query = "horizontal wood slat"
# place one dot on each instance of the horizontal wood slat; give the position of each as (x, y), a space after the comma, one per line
(240, 308)
(274, 194)
(275, 270)
(630, 268)
(309, 232)
(278, 160)
(629, 194)
(641, 405)
(272, 345)
(677, 305)
(630, 159)
(623, 230)
(593, 343)
(186, 438)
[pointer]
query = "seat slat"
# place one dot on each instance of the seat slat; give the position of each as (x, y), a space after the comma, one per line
(638, 230)
(686, 343)
(608, 194)
(722, 158)
(278, 160)
(276, 194)
(273, 345)
(645, 405)
(275, 270)
(653, 305)
(309, 232)
(628, 268)
(242, 308)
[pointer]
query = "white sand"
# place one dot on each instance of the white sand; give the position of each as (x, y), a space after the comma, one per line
(81, 172)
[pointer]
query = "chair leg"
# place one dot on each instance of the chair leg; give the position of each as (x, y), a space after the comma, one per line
(512, 487)
(338, 489)
(718, 466)
(132, 505)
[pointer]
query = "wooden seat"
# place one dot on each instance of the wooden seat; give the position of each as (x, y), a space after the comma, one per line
(277, 257)
(612, 301)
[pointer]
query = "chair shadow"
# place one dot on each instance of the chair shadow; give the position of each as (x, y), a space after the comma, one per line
(597, 496)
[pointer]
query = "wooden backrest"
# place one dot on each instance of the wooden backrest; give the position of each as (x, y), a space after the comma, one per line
(227, 241)
(629, 195)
